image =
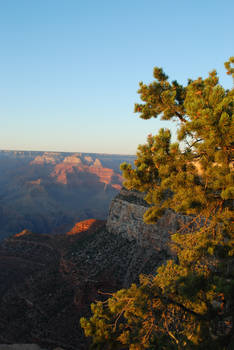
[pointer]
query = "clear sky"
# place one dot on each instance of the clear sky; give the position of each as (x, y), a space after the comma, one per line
(70, 69)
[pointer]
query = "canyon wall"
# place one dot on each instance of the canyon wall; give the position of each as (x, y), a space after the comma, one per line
(126, 219)
(48, 192)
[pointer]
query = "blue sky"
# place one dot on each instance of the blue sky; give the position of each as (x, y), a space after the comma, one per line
(70, 69)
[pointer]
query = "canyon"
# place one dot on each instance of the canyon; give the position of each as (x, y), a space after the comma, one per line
(71, 235)
(48, 192)
(47, 282)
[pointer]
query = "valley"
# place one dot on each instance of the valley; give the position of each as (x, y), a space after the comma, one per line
(47, 192)
(47, 282)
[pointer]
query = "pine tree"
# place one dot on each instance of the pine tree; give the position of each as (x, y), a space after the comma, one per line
(188, 304)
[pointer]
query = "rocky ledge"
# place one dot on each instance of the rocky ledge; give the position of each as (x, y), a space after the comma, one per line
(126, 219)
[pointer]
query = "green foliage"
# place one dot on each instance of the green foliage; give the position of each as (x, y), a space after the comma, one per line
(184, 304)
(228, 66)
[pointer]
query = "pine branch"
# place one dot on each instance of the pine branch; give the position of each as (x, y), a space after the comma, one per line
(182, 119)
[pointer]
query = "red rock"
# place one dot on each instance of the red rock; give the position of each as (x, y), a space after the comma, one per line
(85, 226)
(105, 175)
(23, 233)
(116, 186)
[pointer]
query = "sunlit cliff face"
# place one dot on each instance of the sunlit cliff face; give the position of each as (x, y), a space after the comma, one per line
(23, 233)
(84, 226)
(72, 164)
(44, 159)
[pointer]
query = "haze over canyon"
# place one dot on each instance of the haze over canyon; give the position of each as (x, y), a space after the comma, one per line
(48, 192)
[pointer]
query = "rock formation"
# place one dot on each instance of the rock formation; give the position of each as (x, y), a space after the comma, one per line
(126, 219)
(69, 170)
(72, 160)
(88, 159)
(86, 226)
(46, 158)
(48, 192)
(48, 282)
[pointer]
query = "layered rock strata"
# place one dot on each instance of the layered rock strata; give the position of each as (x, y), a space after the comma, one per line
(126, 219)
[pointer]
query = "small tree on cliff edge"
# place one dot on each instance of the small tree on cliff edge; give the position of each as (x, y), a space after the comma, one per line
(187, 304)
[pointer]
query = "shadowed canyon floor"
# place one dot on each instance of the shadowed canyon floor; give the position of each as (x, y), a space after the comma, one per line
(48, 282)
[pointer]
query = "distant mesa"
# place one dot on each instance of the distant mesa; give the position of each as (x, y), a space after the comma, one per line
(61, 170)
(44, 159)
(50, 191)
(57, 154)
(97, 163)
(104, 174)
(72, 160)
(88, 159)
(90, 225)
(72, 163)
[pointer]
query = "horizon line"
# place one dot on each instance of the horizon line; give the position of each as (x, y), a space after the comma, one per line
(73, 152)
